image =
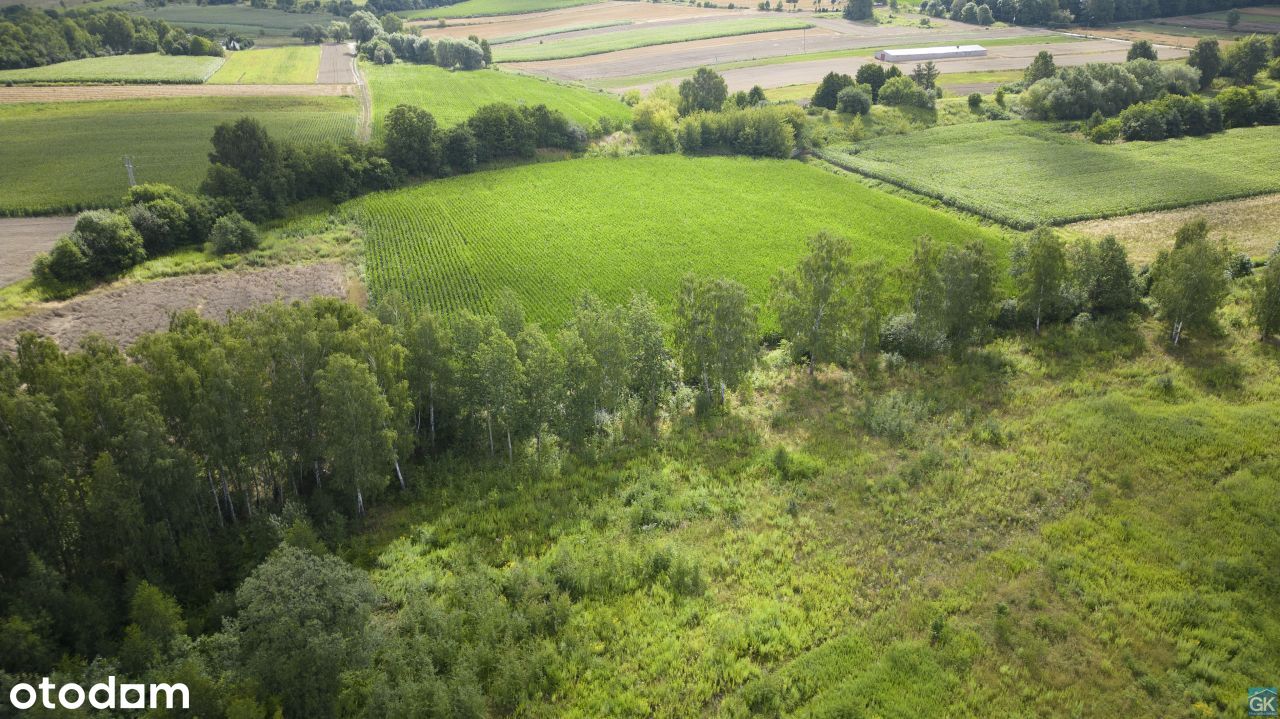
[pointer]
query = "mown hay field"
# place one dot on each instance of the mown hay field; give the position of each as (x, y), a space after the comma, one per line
(295, 65)
(1025, 174)
(483, 8)
(145, 68)
(61, 157)
(553, 230)
(451, 97)
(642, 37)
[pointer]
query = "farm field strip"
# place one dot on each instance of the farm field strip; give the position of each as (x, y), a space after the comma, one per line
(452, 96)
(611, 11)
(251, 21)
(481, 8)
(88, 93)
(22, 238)
(168, 140)
(549, 231)
(644, 37)
(558, 31)
(294, 65)
(639, 66)
(1024, 174)
(145, 68)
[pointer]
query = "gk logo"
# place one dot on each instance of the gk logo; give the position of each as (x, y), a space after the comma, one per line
(1262, 702)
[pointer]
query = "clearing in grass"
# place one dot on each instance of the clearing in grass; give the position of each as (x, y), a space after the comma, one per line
(451, 97)
(643, 37)
(1026, 173)
(484, 8)
(297, 65)
(61, 157)
(551, 231)
(145, 68)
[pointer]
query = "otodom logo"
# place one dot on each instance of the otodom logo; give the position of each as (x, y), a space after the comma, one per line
(99, 696)
(1262, 702)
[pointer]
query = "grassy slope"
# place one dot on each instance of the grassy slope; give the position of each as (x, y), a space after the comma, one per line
(452, 96)
(483, 8)
(610, 225)
(147, 68)
(272, 66)
(168, 140)
(627, 39)
(1061, 538)
(1025, 173)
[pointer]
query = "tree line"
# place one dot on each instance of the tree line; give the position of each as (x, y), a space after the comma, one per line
(31, 38)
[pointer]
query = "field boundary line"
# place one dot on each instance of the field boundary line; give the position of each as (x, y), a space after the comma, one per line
(364, 131)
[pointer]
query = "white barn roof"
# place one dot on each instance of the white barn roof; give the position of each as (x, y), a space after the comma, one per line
(931, 53)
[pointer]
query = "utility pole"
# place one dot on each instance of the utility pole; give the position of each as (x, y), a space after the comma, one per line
(128, 166)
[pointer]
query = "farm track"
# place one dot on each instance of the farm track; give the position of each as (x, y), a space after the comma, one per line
(85, 93)
(124, 312)
(22, 238)
(364, 131)
(338, 65)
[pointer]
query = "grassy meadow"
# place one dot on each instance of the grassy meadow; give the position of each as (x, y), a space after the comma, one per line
(483, 8)
(642, 37)
(142, 69)
(294, 65)
(1024, 174)
(1078, 524)
(553, 230)
(452, 96)
(168, 140)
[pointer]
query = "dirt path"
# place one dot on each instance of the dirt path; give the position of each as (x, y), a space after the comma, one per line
(337, 65)
(126, 312)
(364, 133)
(22, 238)
(73, 93)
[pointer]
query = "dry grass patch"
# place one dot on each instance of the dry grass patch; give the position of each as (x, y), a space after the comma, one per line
(1251, 225)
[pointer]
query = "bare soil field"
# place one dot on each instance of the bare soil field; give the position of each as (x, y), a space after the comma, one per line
(125, 312)
(22, 238)
(506, 26)
(337, 65)
(73, 93)
(1251, 226)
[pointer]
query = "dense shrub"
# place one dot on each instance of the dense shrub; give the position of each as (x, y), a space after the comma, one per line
(902, 92)
(1074, 93)
(828, 93)
(232, 233)
(854, 100)
(903, 335)
(456, 53)
(1172, 116)
(756, 131)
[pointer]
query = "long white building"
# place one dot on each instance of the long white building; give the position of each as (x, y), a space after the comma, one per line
(931, 53)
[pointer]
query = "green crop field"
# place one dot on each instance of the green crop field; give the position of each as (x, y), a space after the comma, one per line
(1024, 173)
(65, 156)
(297, 65)
(483, 8)
(627, 39)
(553, 230)
(452, 96)
(238, 18)
(143, 69)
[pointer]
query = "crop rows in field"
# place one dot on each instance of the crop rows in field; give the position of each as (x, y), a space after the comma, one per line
(551, 231)
(67, 156)
(557, 31)
(295, 65)
(1025, 174)
(643, 37)
(451, 97)
(145, 68)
